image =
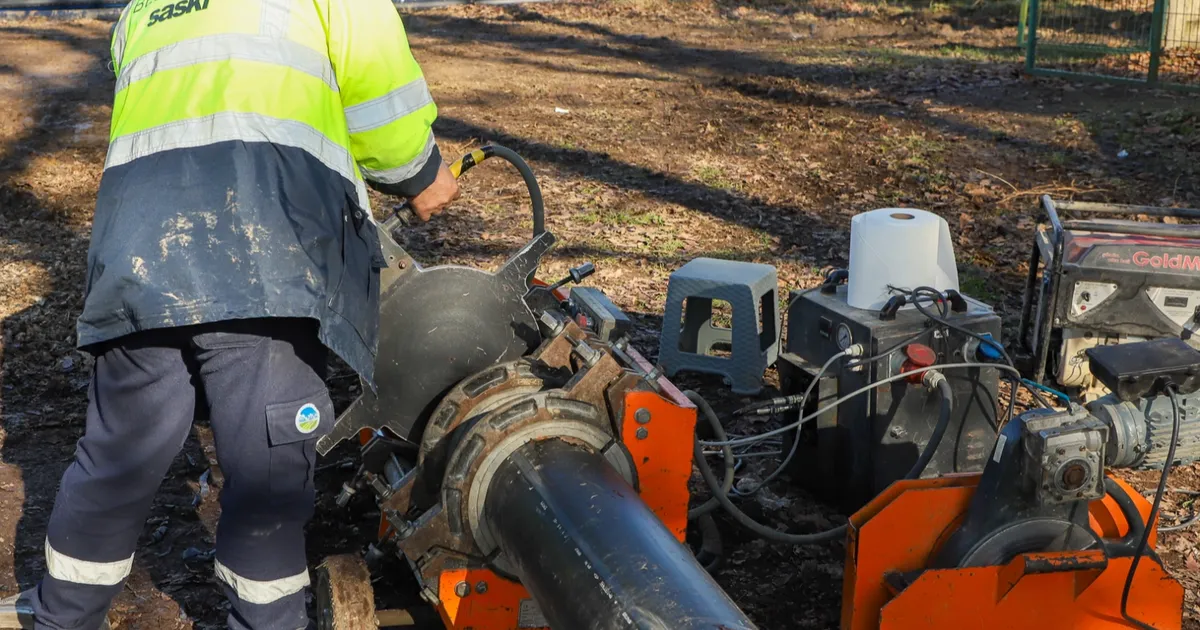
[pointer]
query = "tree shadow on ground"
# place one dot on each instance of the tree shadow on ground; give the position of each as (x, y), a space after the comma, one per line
(982, 82)
(729, 206)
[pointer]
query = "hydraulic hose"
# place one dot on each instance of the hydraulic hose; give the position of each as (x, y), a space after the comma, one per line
(727, 454)
(712, 552)
(936, 380)
(405, 215)
(933, 380)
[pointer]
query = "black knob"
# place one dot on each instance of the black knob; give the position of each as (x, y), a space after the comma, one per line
(582, 271)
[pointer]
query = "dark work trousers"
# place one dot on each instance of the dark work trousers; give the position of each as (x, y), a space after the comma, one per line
(263, 384)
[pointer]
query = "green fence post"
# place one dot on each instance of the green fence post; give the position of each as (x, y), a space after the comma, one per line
(1031, 35)
(1156, 40)
(1021, 23)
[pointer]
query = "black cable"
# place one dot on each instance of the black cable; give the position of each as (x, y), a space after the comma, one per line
(1158, 495)
(775, 535)
(939, 430)
(801, 402)
(1192, 520)
(712, 552)
(1012, 400)
(883, 354)
(726, 451)
(1017, 383)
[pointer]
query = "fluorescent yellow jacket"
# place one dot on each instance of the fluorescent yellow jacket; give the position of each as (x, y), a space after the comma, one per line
(244, 134)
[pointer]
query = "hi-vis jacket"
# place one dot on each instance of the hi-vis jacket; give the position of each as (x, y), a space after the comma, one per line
(242, 133)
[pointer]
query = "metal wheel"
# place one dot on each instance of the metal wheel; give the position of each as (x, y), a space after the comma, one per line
(345, 599)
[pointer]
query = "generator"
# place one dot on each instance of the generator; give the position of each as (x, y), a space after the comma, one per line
(1095, 281)
(854, 451)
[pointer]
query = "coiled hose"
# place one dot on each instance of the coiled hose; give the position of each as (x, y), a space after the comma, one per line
(720, 493)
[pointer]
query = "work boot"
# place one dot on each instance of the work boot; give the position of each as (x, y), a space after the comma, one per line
(16, 612)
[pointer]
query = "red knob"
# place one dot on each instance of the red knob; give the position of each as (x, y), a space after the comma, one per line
(918, 356)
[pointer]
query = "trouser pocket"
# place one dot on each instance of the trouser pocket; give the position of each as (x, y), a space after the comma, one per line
(292, 430)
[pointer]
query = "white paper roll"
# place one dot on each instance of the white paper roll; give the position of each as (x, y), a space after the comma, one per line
(900, 247)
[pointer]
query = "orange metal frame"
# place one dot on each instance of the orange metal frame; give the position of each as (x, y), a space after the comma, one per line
(900, 531)
(663, 460)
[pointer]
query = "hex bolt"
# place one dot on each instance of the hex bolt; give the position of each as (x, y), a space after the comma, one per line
(642, 433)
(481, 588)
(1062, 451)
(895, 432)
(642, 415)
(462, 589)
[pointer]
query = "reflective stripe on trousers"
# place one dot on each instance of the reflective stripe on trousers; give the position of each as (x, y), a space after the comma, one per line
(261, 591)
(63, 567)
(142, 403)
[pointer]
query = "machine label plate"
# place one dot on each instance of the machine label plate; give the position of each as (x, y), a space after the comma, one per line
(999, 447)
(530, 615)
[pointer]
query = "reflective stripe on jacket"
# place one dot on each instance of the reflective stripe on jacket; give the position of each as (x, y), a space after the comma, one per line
(243, 135)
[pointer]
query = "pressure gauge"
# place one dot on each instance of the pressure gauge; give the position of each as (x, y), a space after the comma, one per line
(844, 337)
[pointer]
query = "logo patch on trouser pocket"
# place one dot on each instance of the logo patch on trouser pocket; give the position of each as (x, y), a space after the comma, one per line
(308, 418)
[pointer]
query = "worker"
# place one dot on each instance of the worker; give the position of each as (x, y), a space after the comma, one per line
(232, 247)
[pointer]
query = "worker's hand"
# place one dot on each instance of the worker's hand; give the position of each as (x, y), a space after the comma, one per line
(437, 196)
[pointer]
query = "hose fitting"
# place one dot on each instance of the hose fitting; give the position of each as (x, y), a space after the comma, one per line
(932, 379)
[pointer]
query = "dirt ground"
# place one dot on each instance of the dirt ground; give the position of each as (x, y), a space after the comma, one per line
(661, 131)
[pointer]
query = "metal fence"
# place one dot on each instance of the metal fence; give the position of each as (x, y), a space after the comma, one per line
(1144, 42)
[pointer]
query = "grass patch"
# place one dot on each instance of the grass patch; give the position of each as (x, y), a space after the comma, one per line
(715, 177)
(977, 53)
(913, 150)
(618, 218)
(976, 285)
(668, 247)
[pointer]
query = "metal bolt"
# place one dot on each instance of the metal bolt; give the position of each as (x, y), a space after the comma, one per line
(1074, 476)
(1062, 451)
(1082, 448)
(642, 433)
(642, 415)
(895, 432)
(481, 588)
(462, 589)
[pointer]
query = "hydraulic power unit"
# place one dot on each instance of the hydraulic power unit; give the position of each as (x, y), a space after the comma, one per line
(853, 451)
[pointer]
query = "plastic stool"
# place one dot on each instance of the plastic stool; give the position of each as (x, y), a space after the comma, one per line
(750, 289)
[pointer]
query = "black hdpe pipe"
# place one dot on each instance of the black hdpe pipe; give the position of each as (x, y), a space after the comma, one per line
(591, 552)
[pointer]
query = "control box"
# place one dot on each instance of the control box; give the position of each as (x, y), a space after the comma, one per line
(593, 311)
(854, 451)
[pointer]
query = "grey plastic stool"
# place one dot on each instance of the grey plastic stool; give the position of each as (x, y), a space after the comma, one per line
(750, 289)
